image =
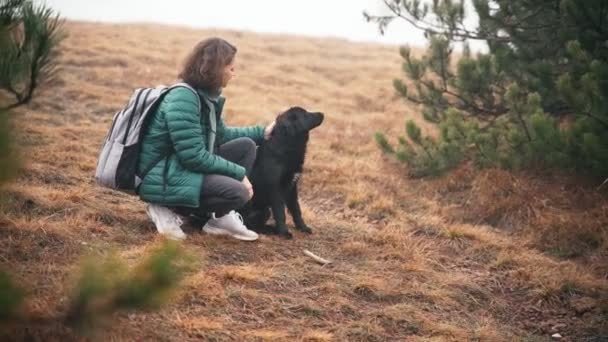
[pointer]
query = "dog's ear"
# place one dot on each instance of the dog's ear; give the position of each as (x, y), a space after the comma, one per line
(284, 128)
(291, 128)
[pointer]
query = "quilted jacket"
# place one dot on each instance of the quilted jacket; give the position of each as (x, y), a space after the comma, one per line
(175, 140)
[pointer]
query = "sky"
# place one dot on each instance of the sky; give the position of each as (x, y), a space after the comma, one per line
(318, 18)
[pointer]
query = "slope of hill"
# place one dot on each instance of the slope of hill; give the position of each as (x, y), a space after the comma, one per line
(409, 264)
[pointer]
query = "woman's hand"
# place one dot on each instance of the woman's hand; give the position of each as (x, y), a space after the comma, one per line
(248, 185)
(268, 130)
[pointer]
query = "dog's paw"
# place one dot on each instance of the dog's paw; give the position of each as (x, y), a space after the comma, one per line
(285, 235)
(304, 229)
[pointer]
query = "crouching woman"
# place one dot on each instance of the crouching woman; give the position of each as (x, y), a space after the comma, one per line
(196, 169)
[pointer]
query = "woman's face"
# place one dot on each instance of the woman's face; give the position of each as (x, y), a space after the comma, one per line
(228, 73)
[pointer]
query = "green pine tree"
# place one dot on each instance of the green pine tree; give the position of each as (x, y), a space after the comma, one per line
(539, 96)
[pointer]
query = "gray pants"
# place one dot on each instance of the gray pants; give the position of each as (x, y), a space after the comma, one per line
(221, 194)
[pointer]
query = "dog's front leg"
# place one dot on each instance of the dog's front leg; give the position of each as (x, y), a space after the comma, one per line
(293, 205)
(256, 220)
(278, 212)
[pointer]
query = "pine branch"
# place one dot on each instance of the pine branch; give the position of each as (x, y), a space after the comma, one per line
(467, 105)
(589, 20)
(13, 91)
(12, 106)
(426, 26)
(9, 7)
(522, 122)
(599, 120)
(34, 48)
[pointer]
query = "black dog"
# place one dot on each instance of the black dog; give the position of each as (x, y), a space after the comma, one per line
(275, 173)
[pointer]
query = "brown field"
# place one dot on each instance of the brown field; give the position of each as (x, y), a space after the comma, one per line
(487, 256)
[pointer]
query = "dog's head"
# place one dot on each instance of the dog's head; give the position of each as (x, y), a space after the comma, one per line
(295, 123)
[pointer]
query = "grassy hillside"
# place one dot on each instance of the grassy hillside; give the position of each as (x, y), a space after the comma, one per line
(476, 255)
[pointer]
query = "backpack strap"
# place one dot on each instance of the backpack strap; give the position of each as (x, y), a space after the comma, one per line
(212, 125)
(212, 113)
(162, 156)
(186, 85)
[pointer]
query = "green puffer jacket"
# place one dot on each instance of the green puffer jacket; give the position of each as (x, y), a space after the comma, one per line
(178, 129)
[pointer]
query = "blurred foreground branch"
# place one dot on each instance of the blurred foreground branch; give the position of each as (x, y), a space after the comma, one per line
(106, 287)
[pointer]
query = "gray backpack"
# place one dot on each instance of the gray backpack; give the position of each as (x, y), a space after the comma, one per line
(117, 162)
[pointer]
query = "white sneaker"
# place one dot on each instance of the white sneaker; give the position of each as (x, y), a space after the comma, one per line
(167, 222)
(230, 224)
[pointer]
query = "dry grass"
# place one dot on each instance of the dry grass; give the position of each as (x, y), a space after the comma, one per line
(556, 214)
(412, 260)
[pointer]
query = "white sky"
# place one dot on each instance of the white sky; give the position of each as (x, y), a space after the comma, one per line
(335, 18)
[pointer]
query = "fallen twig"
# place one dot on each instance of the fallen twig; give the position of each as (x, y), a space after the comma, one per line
(602, 185)
(317, 258)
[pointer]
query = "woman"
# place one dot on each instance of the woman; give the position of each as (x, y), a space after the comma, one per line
(199, 169)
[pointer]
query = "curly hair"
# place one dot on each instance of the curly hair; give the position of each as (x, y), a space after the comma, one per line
(204, 67)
